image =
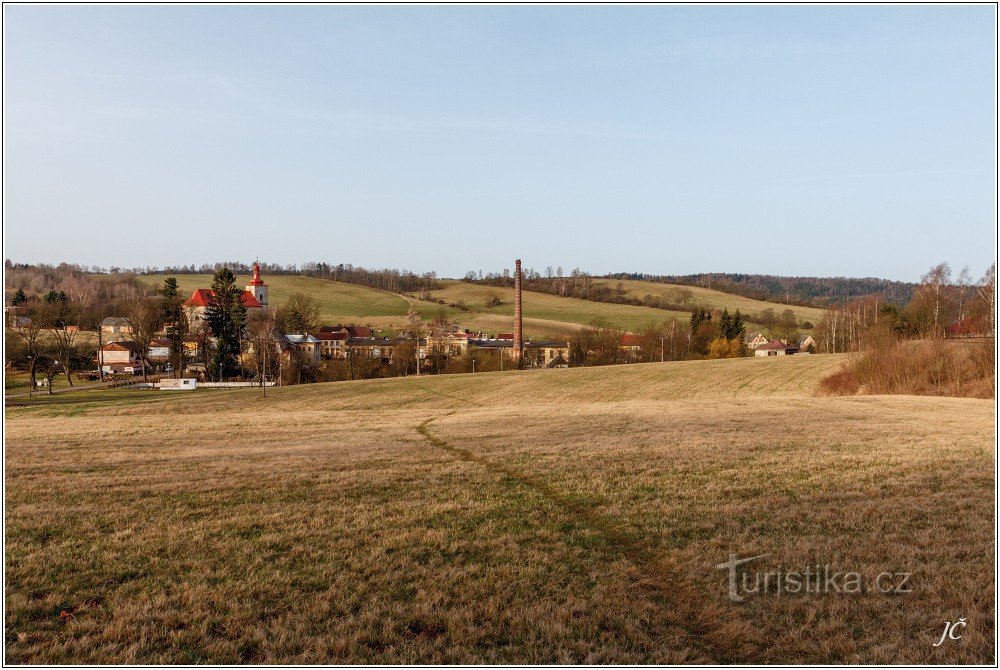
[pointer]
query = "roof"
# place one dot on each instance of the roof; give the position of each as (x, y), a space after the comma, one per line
(203, 296)
(776, 345)
(159, 343)
(114, 321)
(301, 339)
(630, 341)
(505, 336)
(360, 331)
(326, 335)
(123, 345)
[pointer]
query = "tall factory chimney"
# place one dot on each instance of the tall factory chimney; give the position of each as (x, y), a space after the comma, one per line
(518, 333)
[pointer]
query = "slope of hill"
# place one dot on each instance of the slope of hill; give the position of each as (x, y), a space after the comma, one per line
(810, 290)
(525, 517)
(554, 308)
(337, 301)
(710, 298)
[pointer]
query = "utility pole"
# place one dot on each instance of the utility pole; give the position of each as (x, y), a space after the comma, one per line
(661, 348)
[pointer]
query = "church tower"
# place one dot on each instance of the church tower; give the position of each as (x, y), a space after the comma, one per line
(257, 287)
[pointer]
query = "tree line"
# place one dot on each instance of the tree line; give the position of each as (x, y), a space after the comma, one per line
(942, 305)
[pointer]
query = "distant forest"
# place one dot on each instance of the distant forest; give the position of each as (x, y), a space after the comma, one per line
(804, 291)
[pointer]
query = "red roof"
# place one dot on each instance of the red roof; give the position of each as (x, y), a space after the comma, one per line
(203, 296)
(322, 335)
(505, 336)
(630, 341)
(360, 331)
(776, 345)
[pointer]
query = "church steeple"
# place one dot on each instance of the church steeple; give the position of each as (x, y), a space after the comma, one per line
(256, 281)
(257, 287)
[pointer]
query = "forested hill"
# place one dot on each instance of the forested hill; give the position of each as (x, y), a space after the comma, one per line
(811, 291)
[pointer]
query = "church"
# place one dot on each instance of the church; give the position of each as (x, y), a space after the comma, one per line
(254, 297)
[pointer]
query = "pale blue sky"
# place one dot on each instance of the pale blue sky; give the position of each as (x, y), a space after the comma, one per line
(825, 141)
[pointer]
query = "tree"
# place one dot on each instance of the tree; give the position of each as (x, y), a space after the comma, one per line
(27, 329)
(299, 315)
(144, 319)
(226, 316)
(175, 322)
(260, 330)
(62, 318)
(932, 294)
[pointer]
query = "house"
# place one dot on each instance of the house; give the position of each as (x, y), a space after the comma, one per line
(805, 342)
(308, 347)
(116, 326)
(253, 297)
(776, 348)
(754, 340)
(159, 351)
(332, 345)
(450, 344)
(120, 357)
(631, 345)
(540, 354)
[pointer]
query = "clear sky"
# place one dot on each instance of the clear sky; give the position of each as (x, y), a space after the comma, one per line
(825, 141)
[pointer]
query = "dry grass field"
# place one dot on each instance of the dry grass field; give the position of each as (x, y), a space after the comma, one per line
(531, 517)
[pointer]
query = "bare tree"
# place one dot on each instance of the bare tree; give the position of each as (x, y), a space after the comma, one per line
(27, 329)
(144, 318)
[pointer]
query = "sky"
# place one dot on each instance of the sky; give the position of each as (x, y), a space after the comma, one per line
(819, 141)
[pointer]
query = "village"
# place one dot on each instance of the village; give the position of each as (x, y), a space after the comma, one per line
(306, 352)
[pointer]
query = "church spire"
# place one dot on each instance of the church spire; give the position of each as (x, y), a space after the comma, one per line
(256, 281)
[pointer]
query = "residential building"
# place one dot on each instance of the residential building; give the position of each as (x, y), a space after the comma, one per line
(116, 326)
(776, 348)
(120, 357)
(754, 340)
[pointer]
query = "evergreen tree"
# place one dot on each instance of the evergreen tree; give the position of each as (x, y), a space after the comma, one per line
(226, 316)
(172, 311)
(19, 297)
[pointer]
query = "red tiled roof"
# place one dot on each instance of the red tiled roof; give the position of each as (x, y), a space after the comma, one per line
(324, 335)
(203, 296)
(505, 336)
(360, 331)
(776, 345)
(123, 345)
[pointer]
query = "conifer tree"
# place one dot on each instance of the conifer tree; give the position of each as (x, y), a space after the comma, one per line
(172, 309)
(226, 316)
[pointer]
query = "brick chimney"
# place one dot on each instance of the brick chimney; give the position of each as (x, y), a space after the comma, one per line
(518, 333)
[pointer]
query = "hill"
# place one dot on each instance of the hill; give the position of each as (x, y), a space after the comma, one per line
(523, 517)
(551, 310)
(815, 291)
(711, 298)
(337, 301)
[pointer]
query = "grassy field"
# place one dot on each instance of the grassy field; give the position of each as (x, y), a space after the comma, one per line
(710, 298)
(550, 310)
(531, 517)
(337, 301)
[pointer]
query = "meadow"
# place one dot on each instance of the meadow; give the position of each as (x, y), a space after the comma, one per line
(710, 298)
(528, 517)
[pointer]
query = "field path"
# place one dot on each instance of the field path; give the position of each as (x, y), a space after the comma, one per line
(718, 633)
